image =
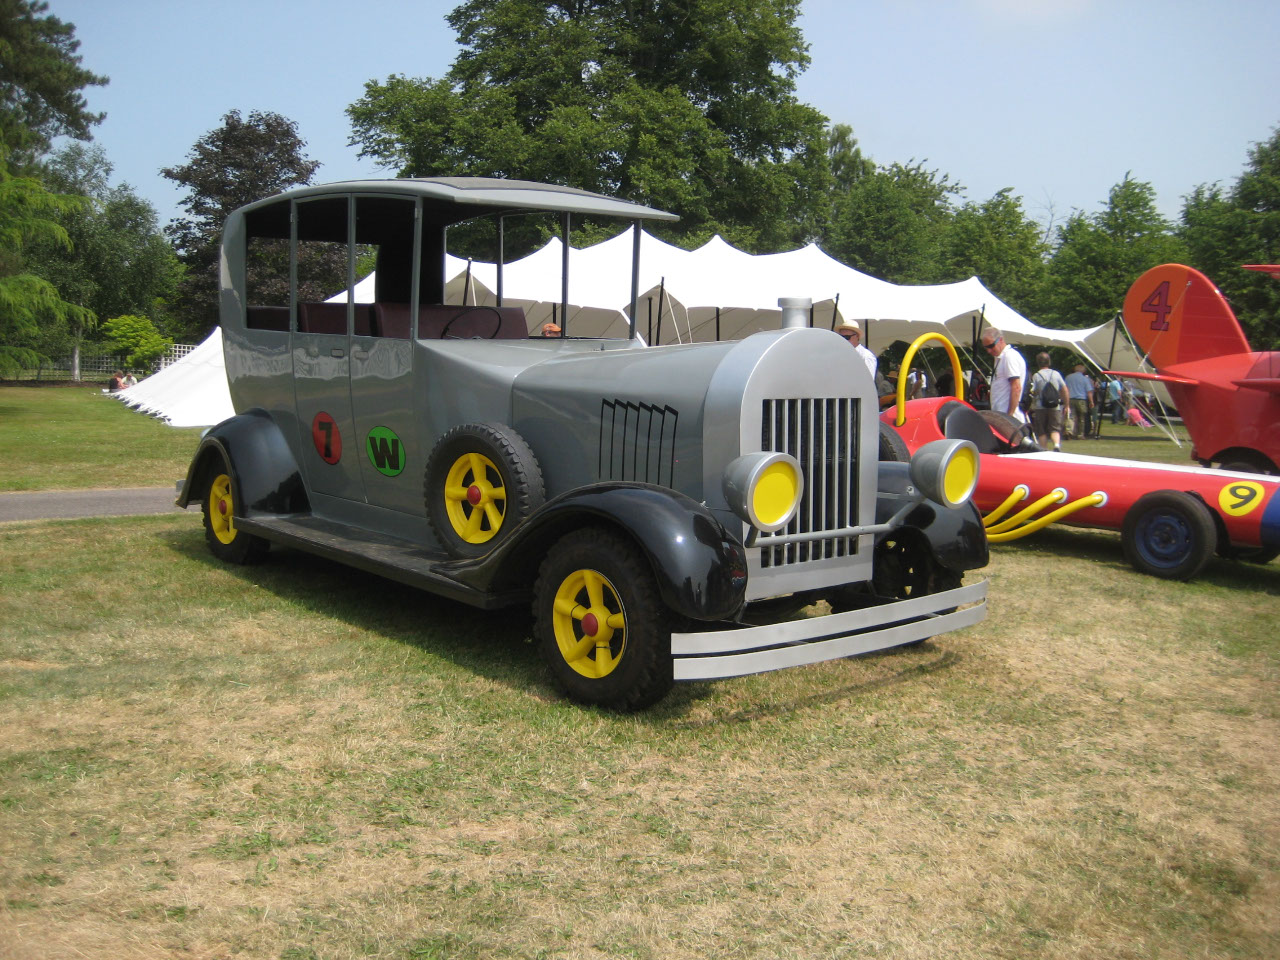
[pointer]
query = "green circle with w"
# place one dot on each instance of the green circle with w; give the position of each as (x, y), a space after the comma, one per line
(385, 450)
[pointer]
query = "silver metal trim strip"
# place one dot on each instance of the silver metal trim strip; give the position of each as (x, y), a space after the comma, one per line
(837, 624)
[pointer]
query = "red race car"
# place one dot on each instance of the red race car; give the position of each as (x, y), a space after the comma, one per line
(1171, 518)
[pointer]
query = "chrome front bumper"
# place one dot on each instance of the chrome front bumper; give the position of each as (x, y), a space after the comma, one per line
(738, 651)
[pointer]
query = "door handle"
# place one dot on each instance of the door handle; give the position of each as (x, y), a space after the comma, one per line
(360, 354)
(337, 353)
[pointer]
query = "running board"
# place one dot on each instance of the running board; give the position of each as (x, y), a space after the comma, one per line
(401, 560)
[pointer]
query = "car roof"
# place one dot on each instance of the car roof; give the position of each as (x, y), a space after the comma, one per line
(466, 197)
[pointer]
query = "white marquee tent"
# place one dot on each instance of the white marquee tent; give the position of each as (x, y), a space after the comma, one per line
(685, 296)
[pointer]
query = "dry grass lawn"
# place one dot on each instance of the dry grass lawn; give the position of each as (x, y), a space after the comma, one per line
(298, 761)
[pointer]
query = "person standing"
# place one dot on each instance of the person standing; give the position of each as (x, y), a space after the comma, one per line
(1049, 398)
(1009, 376)
(850, 330)
(1080, 389)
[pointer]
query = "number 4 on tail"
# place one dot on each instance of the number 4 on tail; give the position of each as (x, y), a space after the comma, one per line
(1158, 303)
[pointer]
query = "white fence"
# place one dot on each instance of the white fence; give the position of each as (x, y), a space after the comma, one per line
(101, 367)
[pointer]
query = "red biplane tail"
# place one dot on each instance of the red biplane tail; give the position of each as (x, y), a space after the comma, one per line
(1175, 314)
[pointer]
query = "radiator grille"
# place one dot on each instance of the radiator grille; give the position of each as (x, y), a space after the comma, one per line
(823, 435)
(637, 442)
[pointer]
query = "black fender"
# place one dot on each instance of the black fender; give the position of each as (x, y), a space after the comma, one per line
(955, 537)
(264, 474)
(700, 568)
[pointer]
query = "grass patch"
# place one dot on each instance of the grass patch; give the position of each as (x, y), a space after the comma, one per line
(75, 438)
(300, 760)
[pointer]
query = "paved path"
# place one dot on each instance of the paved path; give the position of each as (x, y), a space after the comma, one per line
(61, 504)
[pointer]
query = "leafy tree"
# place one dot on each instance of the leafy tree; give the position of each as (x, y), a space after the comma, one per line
(685, 106)
(994, 240)
(138, 339)
(1098, 257)
(40, 81)
(237, 163)
(118, 261)
(29, 214)
(890, 222)
(847, 163)
(1226, 228)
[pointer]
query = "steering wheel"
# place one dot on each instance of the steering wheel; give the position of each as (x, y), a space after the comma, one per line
(469, 310)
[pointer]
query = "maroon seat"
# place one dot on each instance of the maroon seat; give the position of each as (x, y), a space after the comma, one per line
(331, 318)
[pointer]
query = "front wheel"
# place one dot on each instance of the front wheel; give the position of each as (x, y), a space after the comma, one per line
(601, 624)
(225, 541)
(1168, 534)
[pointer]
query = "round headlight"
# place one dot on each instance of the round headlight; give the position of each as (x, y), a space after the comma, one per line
(764, 489)
(946, 471)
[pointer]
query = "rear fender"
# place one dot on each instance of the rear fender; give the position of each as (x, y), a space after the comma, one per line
(264, 475)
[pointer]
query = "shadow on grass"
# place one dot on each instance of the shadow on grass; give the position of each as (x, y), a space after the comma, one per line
(497, 645)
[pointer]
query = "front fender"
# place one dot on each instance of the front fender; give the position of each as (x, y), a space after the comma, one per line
(264, 475)
(956, 538)
(700, 568)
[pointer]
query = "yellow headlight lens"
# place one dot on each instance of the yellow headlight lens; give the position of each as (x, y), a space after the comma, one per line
(776, 492)
(961, 476)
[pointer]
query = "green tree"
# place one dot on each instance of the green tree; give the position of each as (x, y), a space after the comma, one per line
(890, 222)
(29, 214)
(685, 106)
(995, 241)
(41, 82)
(1224, 228)
(241, 161)
(1098, 257)
(138, 339)
(118, 261)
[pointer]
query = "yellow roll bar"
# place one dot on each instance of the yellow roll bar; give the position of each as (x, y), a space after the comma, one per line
(916, 344)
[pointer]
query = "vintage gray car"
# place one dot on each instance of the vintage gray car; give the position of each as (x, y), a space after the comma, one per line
(666, 510)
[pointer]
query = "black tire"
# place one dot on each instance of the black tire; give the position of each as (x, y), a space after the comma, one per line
(1011, 430)
(1247, 466)
(1168, 534)
(903, 568)
(481, 482)
(218, 509)
(892, 447)
(636, 671)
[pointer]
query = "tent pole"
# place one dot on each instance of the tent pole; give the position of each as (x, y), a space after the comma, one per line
(466, 285)
(835, 311)
(662, 293)
(649, 300)
(717, 324)
(564, 275)
(635, 274)
(1115, 330)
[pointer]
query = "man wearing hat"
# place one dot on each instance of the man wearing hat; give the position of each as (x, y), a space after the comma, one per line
(551, 330)
(850, 330)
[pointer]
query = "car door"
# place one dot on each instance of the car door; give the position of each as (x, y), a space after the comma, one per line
(321, 348)
(382, 355)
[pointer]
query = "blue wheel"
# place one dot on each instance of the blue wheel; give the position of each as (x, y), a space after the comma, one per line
(1169, 534)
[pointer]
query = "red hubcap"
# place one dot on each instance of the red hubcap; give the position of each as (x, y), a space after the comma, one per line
(222, 507)
(590, 625)
(474, 495)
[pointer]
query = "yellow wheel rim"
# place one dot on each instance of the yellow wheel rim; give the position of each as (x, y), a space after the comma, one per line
(590, 624)
(474, 498)
(221, 509)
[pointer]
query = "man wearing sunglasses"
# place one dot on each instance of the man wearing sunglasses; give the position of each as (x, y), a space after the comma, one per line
(850, 330)
(1010, 373)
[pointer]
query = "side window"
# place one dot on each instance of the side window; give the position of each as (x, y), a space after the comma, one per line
(267, 268)
(322, 265)
(384, 247)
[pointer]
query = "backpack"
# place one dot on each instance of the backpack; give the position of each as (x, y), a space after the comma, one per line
(1046, 395)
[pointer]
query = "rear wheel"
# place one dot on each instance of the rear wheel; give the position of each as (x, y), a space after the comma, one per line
(225, 541)
(892, 447)
(601, 623)
(1168, 534)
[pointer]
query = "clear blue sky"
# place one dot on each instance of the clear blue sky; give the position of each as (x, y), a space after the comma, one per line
(1056, 99)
